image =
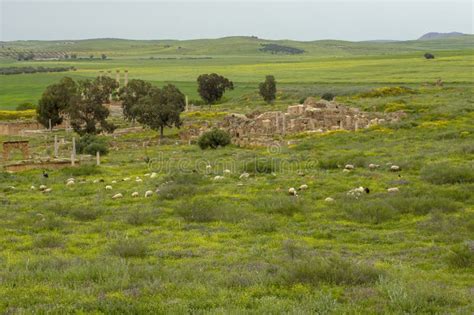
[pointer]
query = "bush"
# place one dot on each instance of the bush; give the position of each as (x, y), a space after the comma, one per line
(91, 144)
(48, 241)
(388, 91)
(262, 166)
(328, 96)
(281, 204)
(462, 256)
(429, 56)
(129, 248)
(25, 106)
(447, 173)
(206, 209)
(214, 139)
(332, 270)
(15, 115)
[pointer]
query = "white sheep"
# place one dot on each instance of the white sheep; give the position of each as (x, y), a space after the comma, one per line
(147, 174)
(373, 166)
(349, 167)
(47, 190)
(292, 191)
(138, 180)
(117, 196)
(70, 183)
(346, 170)
(329, 199)
(153, 175)
(394, 168)
(32, 187)
(303, 187)
(126, 179)
(393, 190)
(148, 193)
(108, 187)
(218, 177)
(227, 171)
(244, 175)
(42, 187)
(135, 194)
(356, 192)
(208, 167)
(95, 181)
(70, 179)
(114, 182)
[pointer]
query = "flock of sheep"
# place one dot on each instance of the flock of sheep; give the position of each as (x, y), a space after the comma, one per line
(355, 192)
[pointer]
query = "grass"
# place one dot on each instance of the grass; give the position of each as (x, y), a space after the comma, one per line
(244, 245)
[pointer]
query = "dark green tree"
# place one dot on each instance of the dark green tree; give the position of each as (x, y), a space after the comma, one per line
(131, 94)
(88, 114)
(161, 108)
(268, 89)
(103, 56)
(55, 101)
(211, 87)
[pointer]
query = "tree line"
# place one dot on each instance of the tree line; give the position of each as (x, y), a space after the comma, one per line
(21, 70)
(83, 102)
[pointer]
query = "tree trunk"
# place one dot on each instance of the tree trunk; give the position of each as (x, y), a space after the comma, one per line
(161, 132)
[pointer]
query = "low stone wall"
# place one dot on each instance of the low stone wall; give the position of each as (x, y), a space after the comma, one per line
(28, 165)
(18, 127)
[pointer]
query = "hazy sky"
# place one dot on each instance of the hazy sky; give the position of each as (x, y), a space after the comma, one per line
(309, 20)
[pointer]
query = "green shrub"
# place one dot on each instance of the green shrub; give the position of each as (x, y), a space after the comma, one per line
(91, 144)
(129, 248)
(82, 170)
(388, 91)
(214, 139)
(48, 241)
(447, 173)
(83, 214)
(331, 270)
(262, 166)
(328, 96)
(462, 256)
(280, 204)
(26, 106)
(209, 209)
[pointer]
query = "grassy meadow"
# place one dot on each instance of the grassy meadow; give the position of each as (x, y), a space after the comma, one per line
(243, 245)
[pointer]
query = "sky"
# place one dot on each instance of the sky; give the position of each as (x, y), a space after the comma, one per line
(352, 20)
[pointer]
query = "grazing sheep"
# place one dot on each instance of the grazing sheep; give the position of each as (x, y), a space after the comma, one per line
(114, 182)
(303, 187)
(95, 181)
(349, 167)
(148, 193)
(329, 199)
(393, 190)
(70, 183)
(218, 177)
(47, 190)
(117, 196)
(346, 170)
(153, 175)
(126, 179)
(244, 175)
(240, 184)
(70, 179)
(356, 192)
(32, 187)
(147, 174)
(138, 180)
(108, 187)
(395, 168)
(135, 194)
(292, 191)
(42, 187)
(208, 167)
(226, 171)
(373, 166)
(12, 188)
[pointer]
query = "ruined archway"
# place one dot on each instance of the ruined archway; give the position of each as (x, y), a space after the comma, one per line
(8, 146)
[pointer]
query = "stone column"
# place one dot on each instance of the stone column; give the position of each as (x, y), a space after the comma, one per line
(97, 157)
(117, 77)
(283, 131)
(125, 83)
(73, 153)
(56, 146)
(187, 104)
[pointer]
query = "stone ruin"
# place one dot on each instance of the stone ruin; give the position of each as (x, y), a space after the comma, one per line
(311, 116)
(8, 146)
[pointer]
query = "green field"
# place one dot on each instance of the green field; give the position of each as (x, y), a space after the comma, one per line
(239, 246)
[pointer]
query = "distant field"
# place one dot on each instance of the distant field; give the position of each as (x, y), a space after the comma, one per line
(247, 71)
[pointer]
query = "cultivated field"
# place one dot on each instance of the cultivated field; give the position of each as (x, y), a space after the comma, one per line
(243, 245)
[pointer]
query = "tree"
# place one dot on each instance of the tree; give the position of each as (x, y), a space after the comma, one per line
(73, 56)
(214, 139)
(103, 56)
(429, 56)
(131, 94)
(55, 100)
(212, 87)
(328, 96)
(88, 114)
(268, 89)
(160, 108)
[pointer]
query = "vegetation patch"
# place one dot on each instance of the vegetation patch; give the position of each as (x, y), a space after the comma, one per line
(448, 173)
(280, 49)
